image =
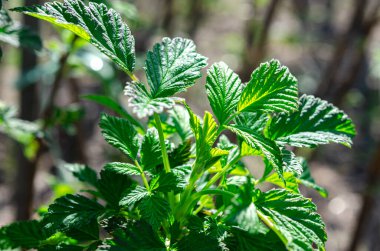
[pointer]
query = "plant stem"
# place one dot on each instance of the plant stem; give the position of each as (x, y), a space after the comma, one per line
(270, 224)
(143, 177)
(132, 76)
(222, 172)
(165, 157)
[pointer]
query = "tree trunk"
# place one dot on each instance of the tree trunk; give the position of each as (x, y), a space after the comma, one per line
(29, 109)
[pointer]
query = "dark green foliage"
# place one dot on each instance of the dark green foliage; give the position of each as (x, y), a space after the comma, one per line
(185, 185)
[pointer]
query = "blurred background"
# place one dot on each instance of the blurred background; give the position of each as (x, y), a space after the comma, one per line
(331, 46)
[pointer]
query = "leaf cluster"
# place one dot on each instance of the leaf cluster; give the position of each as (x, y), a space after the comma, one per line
(183, 184)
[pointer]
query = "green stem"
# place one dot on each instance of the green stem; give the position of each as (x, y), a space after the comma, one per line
(132, 76)
(143, 177)
(222, 172)
(165, 157)
(273, 227)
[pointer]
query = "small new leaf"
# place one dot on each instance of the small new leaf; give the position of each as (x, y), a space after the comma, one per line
(317, 122)
(151, 150)
(143, 104)
(223, 90)
(272, 88)
(266, 147)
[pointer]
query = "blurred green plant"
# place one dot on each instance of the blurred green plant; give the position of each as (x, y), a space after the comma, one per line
(185, 186)
(13, 33)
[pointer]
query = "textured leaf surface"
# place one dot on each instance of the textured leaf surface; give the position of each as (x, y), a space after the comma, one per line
(120, 133)
(112, 186)
(167, 182)
(255, 121)
(291, 163)
(151, 150)
(139, 236)
(205, 135)
(288, 181)
(72, 211)
(294, 218)
(135, 195)
(179, 119)
(268, 148)
(272, 88)
(173, 66)
(317, 122)
(223, 90)
(154, 209)
(95, 23)
(244, 241)
(143, 104)
(25, 234)
(122, 168)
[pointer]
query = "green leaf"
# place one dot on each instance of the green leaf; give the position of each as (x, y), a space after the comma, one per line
(25, 234)
(114, 106)
(87, 232)
(151, 150)
(112, 186)
(71, 211)
(179, 119)
(83, 173)
(122, 168)
(143, 104)
(242, 241)
(223, 90)
(154, 210)
(205, 135)
(173, 66)
(205, 234)
(291, 162)
(199, 242)
(245, 218)
(167, 182)
(267, 148)
(138, 236)
(287, 181)
(293, 218)
(255, 121)
(133, 196)
(317, 122)
(120, 134)
(95, 23)
(307, 180)
(180, 155)
(272, 88)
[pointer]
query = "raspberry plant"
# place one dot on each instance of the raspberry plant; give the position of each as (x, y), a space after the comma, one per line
(185, 186)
